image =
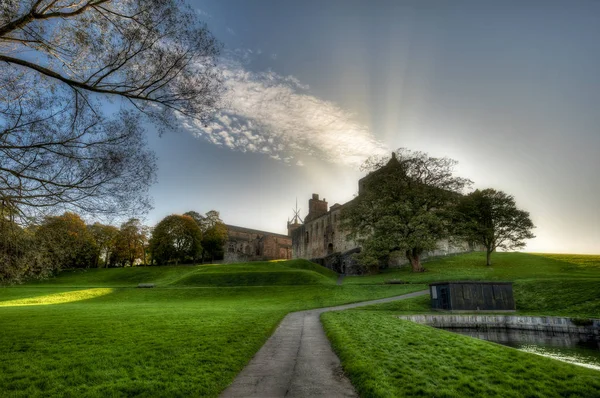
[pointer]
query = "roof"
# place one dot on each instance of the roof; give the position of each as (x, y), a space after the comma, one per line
(254, 231)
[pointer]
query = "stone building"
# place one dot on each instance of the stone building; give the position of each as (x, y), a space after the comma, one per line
(321, 239)
(245, 244)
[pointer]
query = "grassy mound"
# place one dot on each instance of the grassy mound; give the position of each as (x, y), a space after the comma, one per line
(253, 278)
(273, 273)
(293, 272)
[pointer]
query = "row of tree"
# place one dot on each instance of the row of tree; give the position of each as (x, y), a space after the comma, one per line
(65, 241)
(411, 202)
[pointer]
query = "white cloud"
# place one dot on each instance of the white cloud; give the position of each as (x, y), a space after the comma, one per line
(276, 115)
(203, 13)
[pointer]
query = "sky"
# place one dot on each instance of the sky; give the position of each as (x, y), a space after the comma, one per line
(509, 89)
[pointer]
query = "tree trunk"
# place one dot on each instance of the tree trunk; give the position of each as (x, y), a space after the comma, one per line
(489, 258)
(414, 257)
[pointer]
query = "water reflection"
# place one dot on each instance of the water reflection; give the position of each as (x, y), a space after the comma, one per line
(578, 349)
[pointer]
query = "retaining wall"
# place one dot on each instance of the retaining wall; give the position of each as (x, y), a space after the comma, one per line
(483, 322)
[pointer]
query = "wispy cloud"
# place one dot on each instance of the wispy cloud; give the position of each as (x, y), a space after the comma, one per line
(276, 115)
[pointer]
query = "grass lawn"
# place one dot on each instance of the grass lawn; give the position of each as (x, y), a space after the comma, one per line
(505, 267)
(89, 333)
(92, 333)
(388, 357)
(555, 284)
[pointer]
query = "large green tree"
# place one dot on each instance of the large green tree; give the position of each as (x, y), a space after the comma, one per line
(130, 244)
(214, 233)
(176, 238)
(20, 256)
(403, 205)
(213, 241)
(66, 241)
(106, 239)
(491, 218)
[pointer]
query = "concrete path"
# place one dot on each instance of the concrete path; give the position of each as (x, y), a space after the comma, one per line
(297, 360)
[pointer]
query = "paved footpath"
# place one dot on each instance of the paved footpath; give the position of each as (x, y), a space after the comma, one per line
(297, 360)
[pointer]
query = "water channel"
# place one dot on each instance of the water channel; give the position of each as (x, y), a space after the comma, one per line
(573, 348)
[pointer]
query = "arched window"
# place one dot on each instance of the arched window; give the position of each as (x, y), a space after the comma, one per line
(330, 248)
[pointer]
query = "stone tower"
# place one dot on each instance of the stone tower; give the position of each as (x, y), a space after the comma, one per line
(316, 208)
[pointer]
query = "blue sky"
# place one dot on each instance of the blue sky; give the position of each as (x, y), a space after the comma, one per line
(509, 89)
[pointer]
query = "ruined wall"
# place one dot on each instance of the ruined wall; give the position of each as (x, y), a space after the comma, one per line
(322, 240)
(244, 244)
(321, 236)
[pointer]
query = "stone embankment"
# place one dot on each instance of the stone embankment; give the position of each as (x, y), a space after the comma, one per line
(548, 324)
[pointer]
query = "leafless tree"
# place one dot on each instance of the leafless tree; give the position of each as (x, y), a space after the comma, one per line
(77, 80)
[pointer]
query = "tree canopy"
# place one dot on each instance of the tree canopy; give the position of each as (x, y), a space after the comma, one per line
(176, 239)
(403, 205)
(77, 79)
(66, 241)
(214, 233)
(130, 244)
(491, 218)
(106, 239)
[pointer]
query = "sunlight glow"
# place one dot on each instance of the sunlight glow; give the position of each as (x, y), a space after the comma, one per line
(59, 298)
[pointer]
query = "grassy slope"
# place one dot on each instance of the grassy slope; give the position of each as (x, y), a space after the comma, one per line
(96, 337)
(560, 285)
(173, 275)
(387, 357)
(505, 266)
(83, 334)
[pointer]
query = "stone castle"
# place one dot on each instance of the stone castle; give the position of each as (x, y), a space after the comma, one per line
(321, 239)
(245, 244)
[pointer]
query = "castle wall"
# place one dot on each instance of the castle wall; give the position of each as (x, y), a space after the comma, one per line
(321, 236)
(321, 239)
(244, 244)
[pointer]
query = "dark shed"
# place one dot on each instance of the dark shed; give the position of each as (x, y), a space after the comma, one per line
(472, 296)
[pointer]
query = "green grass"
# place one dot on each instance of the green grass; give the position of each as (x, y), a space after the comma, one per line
(307, 272)
(505, 266)
(553, 285)
(388, 357)
(91, 333)
(83, 334)
(568, 298)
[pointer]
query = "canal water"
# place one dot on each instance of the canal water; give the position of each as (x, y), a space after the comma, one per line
(576, 349)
